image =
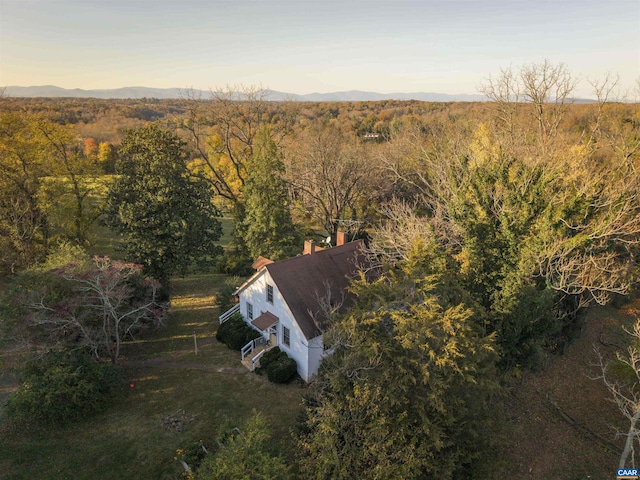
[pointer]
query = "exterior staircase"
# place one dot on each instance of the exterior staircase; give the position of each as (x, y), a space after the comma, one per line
(252, 352)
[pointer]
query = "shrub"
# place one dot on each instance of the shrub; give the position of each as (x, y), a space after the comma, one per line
(268, 357)
(226, 289)
(64, 386)
(236, 333)
(244, 453)
(233, 263)
(192, 455)
(278, 366)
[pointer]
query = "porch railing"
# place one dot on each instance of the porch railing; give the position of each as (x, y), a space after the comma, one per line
(254, 361)
(229, 313)
(252, 345)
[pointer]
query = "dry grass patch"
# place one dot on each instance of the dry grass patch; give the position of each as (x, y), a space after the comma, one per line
(561, 422)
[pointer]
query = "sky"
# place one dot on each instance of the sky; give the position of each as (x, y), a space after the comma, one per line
(302, 46)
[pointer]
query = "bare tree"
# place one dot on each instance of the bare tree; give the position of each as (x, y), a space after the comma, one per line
(222, 131)
(101, 309)
(603, 89)
(547, 87)
(613, 133)
(329, 303)
(329, 174)
(398, 233)
(626, 395)
(587, 275)
(504, 92)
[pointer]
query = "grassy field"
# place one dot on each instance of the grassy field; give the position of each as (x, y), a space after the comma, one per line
(172, 398)
(169, 381)
(105, 243)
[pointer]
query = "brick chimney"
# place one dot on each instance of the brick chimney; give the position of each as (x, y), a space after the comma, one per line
(309, 247)
(341, 238)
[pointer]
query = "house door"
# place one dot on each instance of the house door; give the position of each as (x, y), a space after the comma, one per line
(273, 335)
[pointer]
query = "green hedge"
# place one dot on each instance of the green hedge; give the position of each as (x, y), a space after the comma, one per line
(278, 366)
(235, 333)
(64, 386)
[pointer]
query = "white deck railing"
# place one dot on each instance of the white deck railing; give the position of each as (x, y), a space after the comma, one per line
(252, 345)
(254, 361)
(229, 313)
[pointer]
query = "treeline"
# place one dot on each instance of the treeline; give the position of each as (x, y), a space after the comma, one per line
(490, 228)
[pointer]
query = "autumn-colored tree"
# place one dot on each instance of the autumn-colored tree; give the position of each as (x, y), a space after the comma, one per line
(75, 181)
(47, 182)
(90, 147)
(107, 157)
(24, 229)
(223, 129)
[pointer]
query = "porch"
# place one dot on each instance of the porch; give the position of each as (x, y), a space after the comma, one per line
(252, 352)
(266, 324)
(229, 313)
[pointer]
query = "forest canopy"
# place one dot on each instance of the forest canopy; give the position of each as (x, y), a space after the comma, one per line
(490, 228)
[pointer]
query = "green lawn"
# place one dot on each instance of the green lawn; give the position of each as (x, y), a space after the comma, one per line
(164, 379)
(227, 230)
(104, 242)
(169, 380)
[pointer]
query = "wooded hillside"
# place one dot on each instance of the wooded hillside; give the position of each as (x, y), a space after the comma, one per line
(491, 230)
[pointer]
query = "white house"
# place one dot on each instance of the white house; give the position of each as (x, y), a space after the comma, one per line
(284, 300)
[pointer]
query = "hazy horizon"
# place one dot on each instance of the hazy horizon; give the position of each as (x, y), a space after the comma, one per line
(300, 47)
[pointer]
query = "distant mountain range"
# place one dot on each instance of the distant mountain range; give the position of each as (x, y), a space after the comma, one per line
(145, 92)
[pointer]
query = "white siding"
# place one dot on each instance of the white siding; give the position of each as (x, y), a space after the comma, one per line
(315, 356)
(307, 354)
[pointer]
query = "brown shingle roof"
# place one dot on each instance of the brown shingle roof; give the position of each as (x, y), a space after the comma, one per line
(304, 279)
(260, 262)
(265, 320)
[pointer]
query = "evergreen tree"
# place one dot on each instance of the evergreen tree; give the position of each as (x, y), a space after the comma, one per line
(164, 213)
(410, 389)
(267, 228)
(245, 455)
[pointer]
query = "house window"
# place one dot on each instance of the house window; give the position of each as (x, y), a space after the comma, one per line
(249, 311)
(270, 294)
(286, 336)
